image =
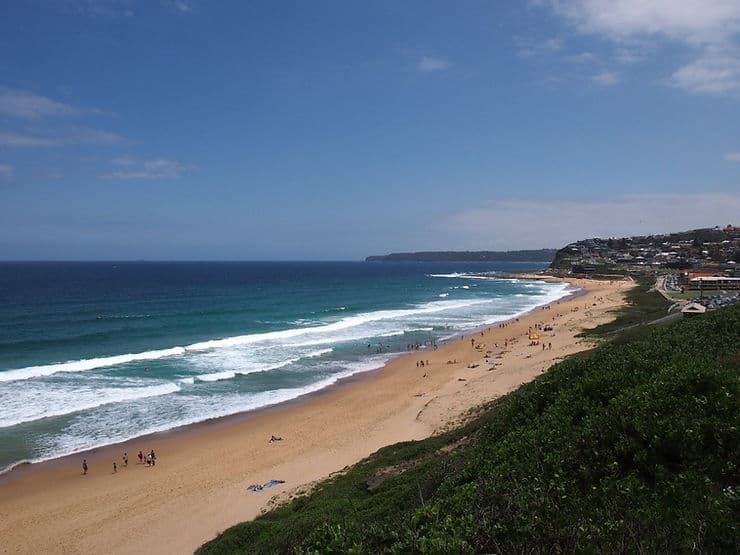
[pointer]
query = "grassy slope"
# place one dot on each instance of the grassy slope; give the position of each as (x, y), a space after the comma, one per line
(628, 448)
(645, 304)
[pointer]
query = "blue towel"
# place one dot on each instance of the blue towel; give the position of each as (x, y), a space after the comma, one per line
(269, 484)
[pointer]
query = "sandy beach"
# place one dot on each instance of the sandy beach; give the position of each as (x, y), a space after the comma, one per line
(199, 484)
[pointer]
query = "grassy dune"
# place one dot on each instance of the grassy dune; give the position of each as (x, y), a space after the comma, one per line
(631, 447)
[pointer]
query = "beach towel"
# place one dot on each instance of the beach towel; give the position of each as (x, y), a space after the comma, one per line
(261, 487)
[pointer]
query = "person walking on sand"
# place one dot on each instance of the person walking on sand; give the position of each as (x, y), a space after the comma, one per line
(84, 466)
(115, 467)
(141, 457)
(154, 457)
(125, 459)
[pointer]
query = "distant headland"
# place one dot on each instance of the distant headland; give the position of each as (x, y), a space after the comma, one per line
(538, 255)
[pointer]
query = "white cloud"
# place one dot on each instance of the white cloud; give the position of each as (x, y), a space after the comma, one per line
(715, 72)
(100, 8)
(43, 121)
(6, 172)
(429, 64)
(528, 48)
(553, 45)
(582, 58)
(633, 54)
(182, 6)
(61, 137)
(11, 138)
(532, 223)
(127, 167)
(606, 78)
(732, 156)
(708, 28)
(90, 136)
(27, 105)
(695, 21)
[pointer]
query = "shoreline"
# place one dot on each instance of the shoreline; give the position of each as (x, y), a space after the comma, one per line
(198, 487)
(238, 417)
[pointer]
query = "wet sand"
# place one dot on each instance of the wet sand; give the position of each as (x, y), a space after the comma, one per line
(199, 484)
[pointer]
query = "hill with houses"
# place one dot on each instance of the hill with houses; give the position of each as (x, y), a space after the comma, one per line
(707, 257)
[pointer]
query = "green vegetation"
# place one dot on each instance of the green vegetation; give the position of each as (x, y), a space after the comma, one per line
(644, 305)
(629, 448)
(563, 258)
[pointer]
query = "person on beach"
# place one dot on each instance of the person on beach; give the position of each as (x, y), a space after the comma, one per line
(115, 467)
(149, 459)
(84, 466)
(125, 459)
(154, 457)
(275, 438)
(141, 457)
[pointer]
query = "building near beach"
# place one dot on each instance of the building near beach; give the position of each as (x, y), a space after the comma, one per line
(714, 283)
(692, 309)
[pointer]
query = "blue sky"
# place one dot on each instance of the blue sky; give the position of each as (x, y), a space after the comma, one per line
(197, 129)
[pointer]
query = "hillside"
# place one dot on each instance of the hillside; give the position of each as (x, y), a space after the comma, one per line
(539, 255)
(631, 447)
(712, 250)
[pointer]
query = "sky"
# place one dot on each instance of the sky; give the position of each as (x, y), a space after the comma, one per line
(334, 130)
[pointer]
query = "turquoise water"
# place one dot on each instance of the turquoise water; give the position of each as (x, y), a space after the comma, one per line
(95, 353)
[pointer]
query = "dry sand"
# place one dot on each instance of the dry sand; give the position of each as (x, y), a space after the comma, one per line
(199, 484)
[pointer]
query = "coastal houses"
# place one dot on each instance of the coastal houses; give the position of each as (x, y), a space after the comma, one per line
(713, 252)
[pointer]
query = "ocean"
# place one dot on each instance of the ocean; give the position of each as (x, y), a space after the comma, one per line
(101, 352)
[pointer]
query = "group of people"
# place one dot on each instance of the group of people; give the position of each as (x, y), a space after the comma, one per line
(150, 459)
(418, 346)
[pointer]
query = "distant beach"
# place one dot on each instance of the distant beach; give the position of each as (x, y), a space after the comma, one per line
(199, 484)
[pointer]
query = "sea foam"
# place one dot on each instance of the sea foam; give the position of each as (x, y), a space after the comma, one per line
(328, 331)
(20, 406)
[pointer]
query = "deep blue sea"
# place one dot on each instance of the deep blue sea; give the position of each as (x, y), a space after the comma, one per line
(96, 353)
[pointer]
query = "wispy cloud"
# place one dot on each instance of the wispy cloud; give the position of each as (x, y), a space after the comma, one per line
(99, 8)
(6, 172)
(127, 167)
(90, 136)
(34, 120)
(61, 137)
(732, 156)
(708, 29)
(715, 72)
(534, 223)
(606, 78)
(428, 64)
(695, 21)
(22, 104)
(528, 48)
(11, 138)
(182, 6)
(581, 58)
(124, 8)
